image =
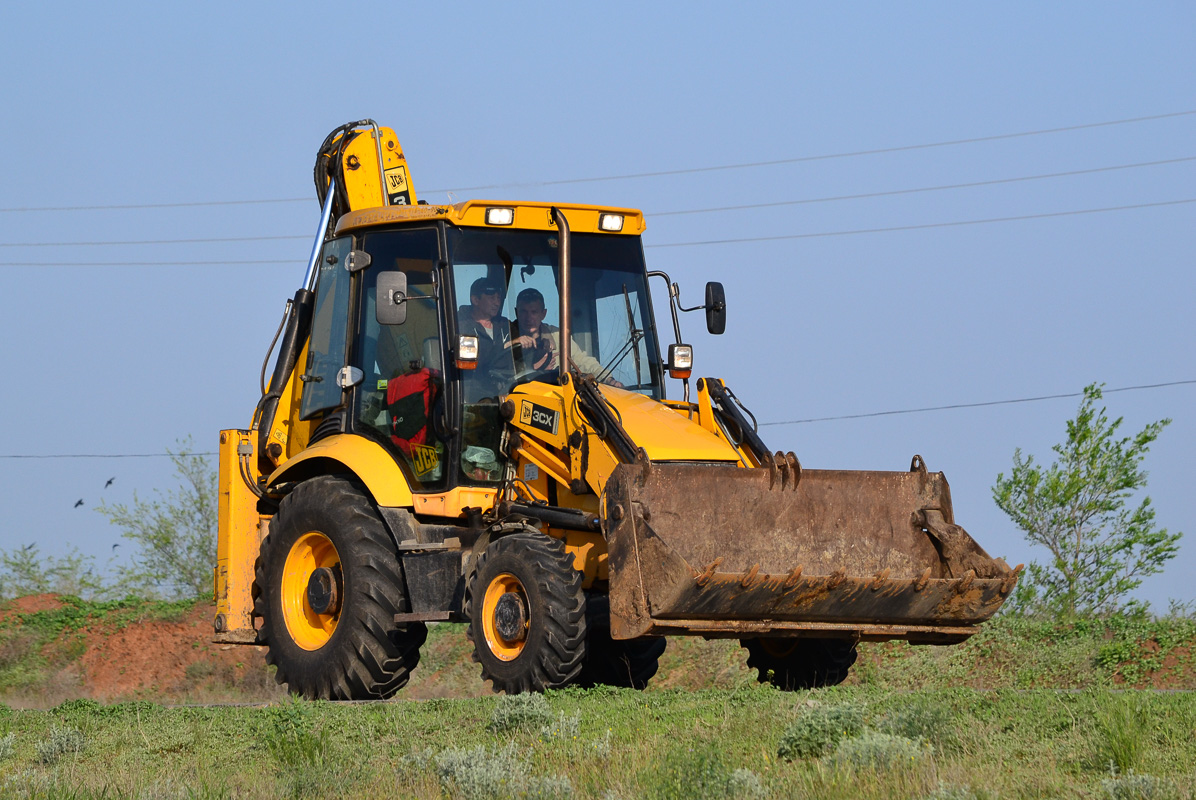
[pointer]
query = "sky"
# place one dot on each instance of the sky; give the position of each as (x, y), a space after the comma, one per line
(838, 305)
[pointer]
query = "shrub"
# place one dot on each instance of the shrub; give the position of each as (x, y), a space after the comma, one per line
(878, 751)
(564, 728)
(699, 773)
(1122, 728)
(60, 742)
(947, 792)
(1138, 787)
(290, 736)
(819, 729)
(8, 745)
(746, 784)
(926, 721)
(521, 712)
(483, 773)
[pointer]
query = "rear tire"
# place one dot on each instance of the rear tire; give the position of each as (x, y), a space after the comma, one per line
(800, 663)
(626, 663)
(354, 651)
(527, 614)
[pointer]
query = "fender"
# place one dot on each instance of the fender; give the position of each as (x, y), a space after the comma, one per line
(369, 461)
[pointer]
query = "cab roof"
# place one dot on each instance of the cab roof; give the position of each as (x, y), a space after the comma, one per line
(527, 216)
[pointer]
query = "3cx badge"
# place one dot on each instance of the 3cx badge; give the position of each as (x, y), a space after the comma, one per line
(539, 417)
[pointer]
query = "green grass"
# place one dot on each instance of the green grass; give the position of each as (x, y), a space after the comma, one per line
(626, 744)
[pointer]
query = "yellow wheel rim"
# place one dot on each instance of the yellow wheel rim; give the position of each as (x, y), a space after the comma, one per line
(502, 585)
(309, 630)
(778, 648)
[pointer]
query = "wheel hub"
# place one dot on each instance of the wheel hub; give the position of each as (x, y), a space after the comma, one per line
(324, 591)
(510, 617)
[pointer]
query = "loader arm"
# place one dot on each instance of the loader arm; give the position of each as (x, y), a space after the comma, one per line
(729, 540)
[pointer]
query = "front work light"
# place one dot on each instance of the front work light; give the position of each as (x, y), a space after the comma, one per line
(681, 360)
(610, 222)
(467, 352)
(500, 216)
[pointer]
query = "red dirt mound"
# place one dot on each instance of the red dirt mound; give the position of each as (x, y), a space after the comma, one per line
(155, 658)
(30, 604)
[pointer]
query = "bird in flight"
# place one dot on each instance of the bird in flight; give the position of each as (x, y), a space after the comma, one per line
(79, 503)
(109, 483)
(115, 546)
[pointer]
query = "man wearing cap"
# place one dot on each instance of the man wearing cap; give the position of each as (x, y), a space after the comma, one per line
(481, 318)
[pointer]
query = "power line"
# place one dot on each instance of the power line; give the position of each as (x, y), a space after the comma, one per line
(656, 214)
(748, 239)
(781, 237)
(111, 455)
(691, 170)
(829, 156)
(762, 424)
(894, 192)
(975, 405)
(155, 241)
(145, 263)
(926, 226)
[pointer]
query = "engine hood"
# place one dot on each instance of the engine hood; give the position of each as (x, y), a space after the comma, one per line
(665, 434)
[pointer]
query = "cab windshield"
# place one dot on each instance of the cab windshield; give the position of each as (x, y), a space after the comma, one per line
(506, 288)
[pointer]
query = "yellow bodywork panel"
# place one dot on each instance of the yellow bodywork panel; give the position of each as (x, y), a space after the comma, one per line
(453, 503)
(360, 167)
(528, 216)
(366, 459)
(663, 433)
(238, 537)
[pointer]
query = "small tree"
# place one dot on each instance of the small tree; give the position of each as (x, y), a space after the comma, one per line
(176, 534)
(26, 571)
(1101, 549)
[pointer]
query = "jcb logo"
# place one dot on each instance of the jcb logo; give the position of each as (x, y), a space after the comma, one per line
(424, 459)
(544, 419)
(396, 180)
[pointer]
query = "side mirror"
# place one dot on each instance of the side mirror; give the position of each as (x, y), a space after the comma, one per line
(716, 308)
(391, 305)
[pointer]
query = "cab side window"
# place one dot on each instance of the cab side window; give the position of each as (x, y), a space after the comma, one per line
(402, 392)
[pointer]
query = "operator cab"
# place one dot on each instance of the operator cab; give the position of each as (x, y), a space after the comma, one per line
(439, 413)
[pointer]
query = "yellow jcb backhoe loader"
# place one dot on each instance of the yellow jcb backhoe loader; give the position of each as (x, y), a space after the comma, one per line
(467, 421)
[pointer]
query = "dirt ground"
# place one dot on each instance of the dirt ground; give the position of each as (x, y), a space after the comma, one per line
(148, 659)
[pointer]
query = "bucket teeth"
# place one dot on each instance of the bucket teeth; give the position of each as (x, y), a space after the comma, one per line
(837, 577)
(922, 580)
(704, 577)
(794, 577)
(749, 576)
(784, 467)
(1008, 583)
(965, 581)
(880, 579)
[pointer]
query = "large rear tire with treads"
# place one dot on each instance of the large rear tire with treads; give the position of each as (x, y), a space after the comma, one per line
(327, 587)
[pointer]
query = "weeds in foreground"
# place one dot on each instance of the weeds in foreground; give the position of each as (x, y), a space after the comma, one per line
(1123, 727)
(1138, 787)
(485, 773)
(879, 751)
(61, 742)
(817, 730)
(699, 772)
(520, 712)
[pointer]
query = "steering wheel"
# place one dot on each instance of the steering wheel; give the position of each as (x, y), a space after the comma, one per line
(542, 375)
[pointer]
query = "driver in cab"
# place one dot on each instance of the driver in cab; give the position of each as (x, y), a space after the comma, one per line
(537, 345)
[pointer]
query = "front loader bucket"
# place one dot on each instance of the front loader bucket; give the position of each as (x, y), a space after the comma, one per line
(719, 550)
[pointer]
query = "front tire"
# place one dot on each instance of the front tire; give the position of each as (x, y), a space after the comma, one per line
(327, 586)
(800, 663)
(527, 614)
